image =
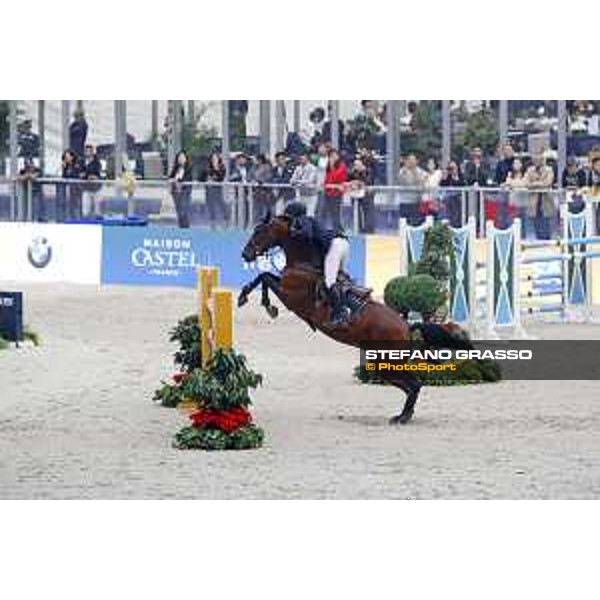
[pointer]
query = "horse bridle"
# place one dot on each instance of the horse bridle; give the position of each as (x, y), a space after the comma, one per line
(253, 244)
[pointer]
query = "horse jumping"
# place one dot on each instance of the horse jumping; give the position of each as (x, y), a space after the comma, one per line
(300, 289)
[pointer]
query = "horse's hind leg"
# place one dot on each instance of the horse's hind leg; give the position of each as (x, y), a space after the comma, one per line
(412, 387)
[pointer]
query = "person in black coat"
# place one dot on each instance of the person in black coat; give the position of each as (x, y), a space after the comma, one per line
(215, 175)
(180, 175)
(504, 166)
(28, 184)
(282, 173)
(68, 195)
(78, 131)
(573, 178)
(28, 141)
(476, 171)
(91, 166)
(453, 199)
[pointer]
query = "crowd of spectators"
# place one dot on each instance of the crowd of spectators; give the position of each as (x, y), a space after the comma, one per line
(509, 186)
(79, 162)
(321, 174)
(320, 180)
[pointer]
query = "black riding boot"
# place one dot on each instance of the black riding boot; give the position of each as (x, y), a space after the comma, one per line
(338, 309)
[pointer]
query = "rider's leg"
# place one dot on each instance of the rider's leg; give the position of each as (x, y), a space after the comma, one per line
(344, 254)
(333, 261)
(337, 255)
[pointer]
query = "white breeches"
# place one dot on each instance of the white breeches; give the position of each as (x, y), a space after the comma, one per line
(311, 204)
(336, 259)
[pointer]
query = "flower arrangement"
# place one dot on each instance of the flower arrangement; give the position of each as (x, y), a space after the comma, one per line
(186, 334)
(223, 420)
(219, 392)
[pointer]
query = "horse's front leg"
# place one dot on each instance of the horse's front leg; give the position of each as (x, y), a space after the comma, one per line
(248, 289)
(272, 310)
(268, 282)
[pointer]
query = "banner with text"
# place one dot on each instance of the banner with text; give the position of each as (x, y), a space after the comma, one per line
(170, 256)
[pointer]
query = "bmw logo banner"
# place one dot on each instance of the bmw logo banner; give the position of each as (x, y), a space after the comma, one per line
(50, 252)
(164, 256)
(39, 252)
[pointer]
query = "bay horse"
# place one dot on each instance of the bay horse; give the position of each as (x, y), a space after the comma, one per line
(298, 288)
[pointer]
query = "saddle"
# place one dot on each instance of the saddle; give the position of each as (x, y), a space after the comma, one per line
(355, 296)
(349, 286)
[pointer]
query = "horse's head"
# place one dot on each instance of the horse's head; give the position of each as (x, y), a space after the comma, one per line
(268, 233)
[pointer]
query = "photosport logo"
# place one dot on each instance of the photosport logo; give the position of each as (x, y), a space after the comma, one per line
(507, 359)
(39, 252)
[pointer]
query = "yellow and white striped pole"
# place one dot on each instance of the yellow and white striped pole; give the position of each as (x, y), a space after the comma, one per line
(216, 313)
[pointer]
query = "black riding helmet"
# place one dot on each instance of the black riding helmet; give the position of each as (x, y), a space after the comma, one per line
(294, 210)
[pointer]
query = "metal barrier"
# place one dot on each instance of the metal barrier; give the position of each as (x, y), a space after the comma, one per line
(500, 279)
(508, 259)
(462, 281)
(241, 204)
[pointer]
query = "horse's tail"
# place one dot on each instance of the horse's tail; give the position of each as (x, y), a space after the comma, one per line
(443, 335)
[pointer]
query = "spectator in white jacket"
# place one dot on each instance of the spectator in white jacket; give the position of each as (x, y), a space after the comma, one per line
(304, 179)
(412, 178)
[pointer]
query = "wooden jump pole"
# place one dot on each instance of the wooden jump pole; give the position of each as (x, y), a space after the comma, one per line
(223, 315)
(215, 313)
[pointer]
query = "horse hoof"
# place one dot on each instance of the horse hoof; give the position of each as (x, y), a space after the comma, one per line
(272, 311)
(402, 419)
(242, 299)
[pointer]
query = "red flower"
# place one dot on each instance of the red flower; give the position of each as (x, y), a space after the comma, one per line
(178, 377)
(227, 421)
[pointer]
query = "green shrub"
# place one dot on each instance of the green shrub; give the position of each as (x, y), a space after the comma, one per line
(223, 384)
(424, 290)
(195, 438)
(415, 293)
(169, 395)
(437, 254)
(187, 334)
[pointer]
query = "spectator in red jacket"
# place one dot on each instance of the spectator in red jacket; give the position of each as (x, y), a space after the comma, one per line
(335, 178)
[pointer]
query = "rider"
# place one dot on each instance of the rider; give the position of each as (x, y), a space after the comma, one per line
(334, 248)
